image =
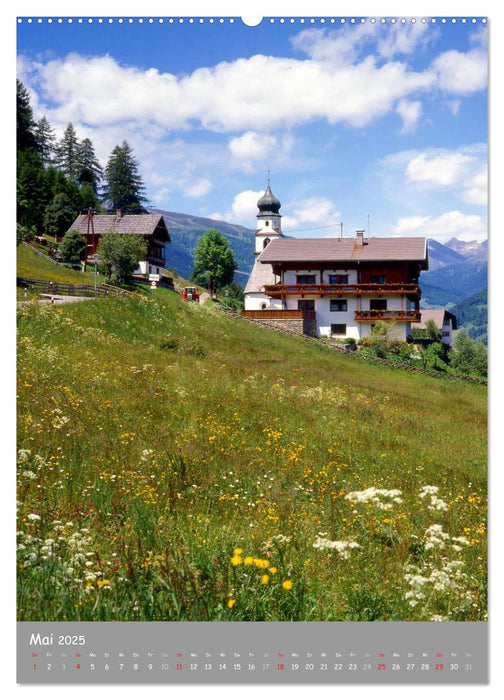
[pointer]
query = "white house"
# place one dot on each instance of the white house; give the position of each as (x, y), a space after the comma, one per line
(445, 321)
(333, 287)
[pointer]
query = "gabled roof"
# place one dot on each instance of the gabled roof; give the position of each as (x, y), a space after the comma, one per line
(134, 224)
(302, 250)
(439, 316)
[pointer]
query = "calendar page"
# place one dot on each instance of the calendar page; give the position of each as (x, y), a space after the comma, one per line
(252, 349)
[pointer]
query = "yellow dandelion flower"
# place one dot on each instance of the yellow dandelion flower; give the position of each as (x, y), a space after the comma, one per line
(265, 579)
(231, 603)
(261, 563)
(287, 585)
(237, 551)
(272, 569)
(236, 560)
(248, 561)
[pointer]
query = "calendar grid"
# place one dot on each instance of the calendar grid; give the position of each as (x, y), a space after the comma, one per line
(191, 652)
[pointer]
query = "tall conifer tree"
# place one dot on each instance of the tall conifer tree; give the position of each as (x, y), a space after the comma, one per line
(123, 188)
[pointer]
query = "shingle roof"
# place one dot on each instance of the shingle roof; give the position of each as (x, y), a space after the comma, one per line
(344, 249)
(436, 315)
(260, 276)
(135, 224)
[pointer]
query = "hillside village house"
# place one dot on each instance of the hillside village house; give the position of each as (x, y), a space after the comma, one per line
(333, 287)
(151, 226)
(445, 321)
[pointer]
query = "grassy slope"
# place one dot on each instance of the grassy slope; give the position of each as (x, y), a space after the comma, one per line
(34, 266)
(161, 436)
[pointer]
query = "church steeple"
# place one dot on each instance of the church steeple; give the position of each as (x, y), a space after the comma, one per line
(268, 219)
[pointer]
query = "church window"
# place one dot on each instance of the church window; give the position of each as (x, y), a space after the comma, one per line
(266, 242)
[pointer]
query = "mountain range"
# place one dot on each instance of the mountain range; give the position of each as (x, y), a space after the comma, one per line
(457, 269)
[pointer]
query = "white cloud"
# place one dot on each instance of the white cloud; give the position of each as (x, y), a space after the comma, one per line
(228, 96)
(476, 188)
(350, 76)
(243, 209)
(447, 168)
(410, 114)
(316, 211)
(198, 188)
(461, 73)
(467, 227)
(404, 38)
(250, 148)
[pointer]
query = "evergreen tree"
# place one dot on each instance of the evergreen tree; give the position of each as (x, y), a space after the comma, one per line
(72, 248)
(25, 125)
(214, 261)
(66, 152)
(123, 188)
(46, 141)
(31, 190)
(88, 169)
(59, 215)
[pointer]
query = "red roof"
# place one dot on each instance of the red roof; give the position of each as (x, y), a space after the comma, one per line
(134, 224)
(301, 250)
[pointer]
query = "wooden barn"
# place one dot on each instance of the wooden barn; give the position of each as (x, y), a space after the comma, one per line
(151, 227)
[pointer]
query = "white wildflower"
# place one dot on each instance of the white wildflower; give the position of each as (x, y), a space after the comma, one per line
(375, 496)
(342, 547)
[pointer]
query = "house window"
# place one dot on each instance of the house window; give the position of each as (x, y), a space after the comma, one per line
(338, 279)
(338, 305)
(306, 304)
(378, 279)
(305, 279)
(338, 329)
(378, 304)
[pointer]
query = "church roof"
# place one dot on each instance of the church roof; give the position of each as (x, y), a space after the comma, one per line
(303, 250)
(268, 203)
(260, 276)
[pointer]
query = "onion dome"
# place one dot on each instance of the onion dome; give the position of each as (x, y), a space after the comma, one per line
(269, 204)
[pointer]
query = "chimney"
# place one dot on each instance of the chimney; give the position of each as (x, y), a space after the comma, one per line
(360, 236)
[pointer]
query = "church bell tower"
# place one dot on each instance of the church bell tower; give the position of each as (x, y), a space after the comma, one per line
(268, 220)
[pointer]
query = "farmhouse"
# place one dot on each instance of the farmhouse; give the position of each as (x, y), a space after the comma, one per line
(151, 226)
(333, 287)
(445, 321)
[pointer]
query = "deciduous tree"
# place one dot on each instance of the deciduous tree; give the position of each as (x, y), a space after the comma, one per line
(214, 261)
(121, 254)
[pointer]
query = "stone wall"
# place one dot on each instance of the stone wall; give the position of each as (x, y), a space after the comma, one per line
(290, 325)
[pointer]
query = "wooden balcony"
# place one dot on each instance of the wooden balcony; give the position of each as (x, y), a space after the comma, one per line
(408, 315)
(277, 291)
(280, 314)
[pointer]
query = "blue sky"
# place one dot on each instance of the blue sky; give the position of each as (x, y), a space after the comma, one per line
(376, 125)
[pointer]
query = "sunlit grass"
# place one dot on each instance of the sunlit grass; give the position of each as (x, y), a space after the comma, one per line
(178, 464)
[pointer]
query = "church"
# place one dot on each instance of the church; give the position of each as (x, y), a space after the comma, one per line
(334, 287)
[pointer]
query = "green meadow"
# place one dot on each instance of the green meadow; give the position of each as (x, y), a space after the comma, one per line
(176, 463)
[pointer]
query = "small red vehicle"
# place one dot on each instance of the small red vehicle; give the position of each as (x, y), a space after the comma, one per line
(190, 294)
